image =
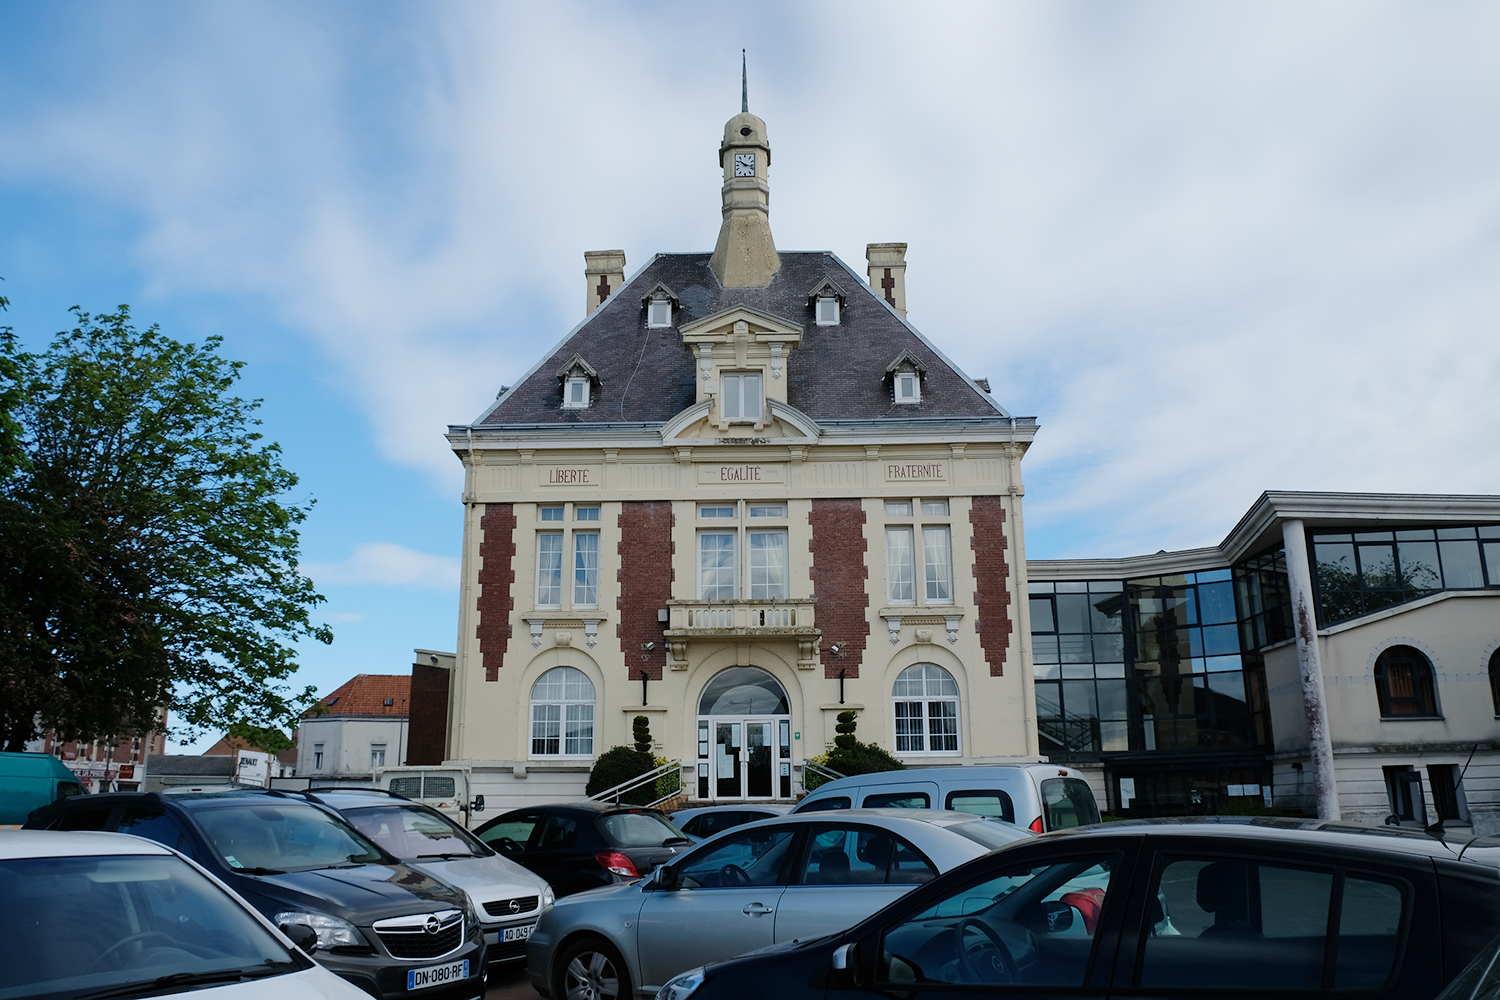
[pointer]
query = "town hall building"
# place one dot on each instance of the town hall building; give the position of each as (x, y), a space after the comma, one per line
(743, 495)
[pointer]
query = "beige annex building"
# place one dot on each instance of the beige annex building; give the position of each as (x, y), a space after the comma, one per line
(742, 495)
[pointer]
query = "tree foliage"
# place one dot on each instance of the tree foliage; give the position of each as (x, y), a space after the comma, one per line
(148, 556)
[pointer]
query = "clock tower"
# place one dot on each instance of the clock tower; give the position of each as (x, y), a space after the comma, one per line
(745, 255)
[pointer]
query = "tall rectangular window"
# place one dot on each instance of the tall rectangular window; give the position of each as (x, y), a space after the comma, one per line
(586, 569)
(768, 565)
(377, 755)
(741, 397)
(578, 731)
(900, 566)
(549, 558)
(716, 569)
(937, 560)
(317, 756)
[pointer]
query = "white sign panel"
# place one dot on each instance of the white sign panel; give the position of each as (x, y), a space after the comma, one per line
(253, 768)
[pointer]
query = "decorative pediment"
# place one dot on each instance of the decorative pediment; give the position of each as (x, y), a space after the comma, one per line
(694, 427)
(827, 289)
(760, 326)
(906, 361)
(660, 291)
(576, 365)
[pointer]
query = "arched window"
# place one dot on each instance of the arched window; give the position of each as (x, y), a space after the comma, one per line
(1495, 679)
(1403, 683)
(743, 691)
(562, 714)
(926, 698)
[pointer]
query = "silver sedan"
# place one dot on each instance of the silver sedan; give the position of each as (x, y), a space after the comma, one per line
(792, 877)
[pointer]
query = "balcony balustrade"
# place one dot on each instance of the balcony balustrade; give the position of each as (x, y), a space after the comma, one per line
(701, 620)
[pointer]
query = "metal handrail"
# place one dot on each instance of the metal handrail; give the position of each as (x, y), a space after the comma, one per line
(822, 771)
(632, 784)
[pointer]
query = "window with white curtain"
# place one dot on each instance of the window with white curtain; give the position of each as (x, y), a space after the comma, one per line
(918, 575)
(937, 563)
(562, 714)
(741, 396)
(716, 566)
(549, 557)
(768, 565)
(900, 566)
(926, 707)
(585, 569)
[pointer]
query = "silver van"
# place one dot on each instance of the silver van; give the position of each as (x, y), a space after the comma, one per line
(1039, 797)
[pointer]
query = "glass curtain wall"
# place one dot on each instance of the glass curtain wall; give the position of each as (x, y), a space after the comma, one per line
(1078, 651)
(1363, 571)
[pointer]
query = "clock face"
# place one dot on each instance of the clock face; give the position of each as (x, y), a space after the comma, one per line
(744, 164)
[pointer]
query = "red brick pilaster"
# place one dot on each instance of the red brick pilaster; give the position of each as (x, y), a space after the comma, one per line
(645, 577)
(991, 580)
(427, 729)
(839, 575)
(497, 576)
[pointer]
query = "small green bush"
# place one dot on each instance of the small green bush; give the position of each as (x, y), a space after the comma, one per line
(849, 756)
(620, 764)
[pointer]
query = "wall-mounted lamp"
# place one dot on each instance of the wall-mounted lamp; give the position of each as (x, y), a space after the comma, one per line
(648, 645)
(433, 658)
(834, 649)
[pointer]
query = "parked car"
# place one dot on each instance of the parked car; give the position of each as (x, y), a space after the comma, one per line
(1040, 797)
(583, 845)
(1156, 909)
(706, 821)
(31, 780)
(792, 877)
(98, 914)
(506, 896)
(383, 926)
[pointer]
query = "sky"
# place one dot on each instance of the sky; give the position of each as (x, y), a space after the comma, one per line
(1215, 249)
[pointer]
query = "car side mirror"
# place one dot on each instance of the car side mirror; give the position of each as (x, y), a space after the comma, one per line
(1058, 916)
(478, 804)
(302, 936)
(666, 877)
(845, 963)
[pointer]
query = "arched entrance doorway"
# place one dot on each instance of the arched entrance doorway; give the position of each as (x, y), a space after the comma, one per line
(744, 737)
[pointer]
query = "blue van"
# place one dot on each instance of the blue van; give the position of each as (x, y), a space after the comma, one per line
(31, 780)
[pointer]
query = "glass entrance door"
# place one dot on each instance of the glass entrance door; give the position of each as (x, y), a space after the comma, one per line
(727, 768)
(758, 743)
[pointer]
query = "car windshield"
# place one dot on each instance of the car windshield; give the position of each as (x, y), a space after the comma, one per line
(1069, 802)
(111, 926)
(278, 835)
(990, 833)
(640, 829)
(411, 833)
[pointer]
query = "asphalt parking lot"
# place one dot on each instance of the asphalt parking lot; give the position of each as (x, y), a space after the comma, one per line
(511, 984)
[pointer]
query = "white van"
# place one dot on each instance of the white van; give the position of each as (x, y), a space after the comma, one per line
(1040, 797)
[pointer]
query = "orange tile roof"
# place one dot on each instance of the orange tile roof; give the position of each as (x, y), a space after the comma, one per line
(366, 694)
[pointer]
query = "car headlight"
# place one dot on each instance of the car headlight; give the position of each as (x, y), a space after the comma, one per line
(548, 898)
(682, 986)
(332, 931)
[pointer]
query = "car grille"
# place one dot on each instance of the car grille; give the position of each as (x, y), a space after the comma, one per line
(410, 937)
(503, 907)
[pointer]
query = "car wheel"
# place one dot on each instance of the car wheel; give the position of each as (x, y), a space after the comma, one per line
(591, 969)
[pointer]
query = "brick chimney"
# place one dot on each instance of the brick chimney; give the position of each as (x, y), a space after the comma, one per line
(604, 272)
(887, 268)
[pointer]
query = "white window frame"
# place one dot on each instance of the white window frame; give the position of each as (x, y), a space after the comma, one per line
(377, 755)
(659, 313)
(768, 589)
(549, 589)
(714, 591)
(921, 742)
(928, 560)
(576, 392)
(574, 584)
(907, 387)
(744, 521)
(585, 569)
(569, 710)
(317, 756)
(826, 311)
(732, 396)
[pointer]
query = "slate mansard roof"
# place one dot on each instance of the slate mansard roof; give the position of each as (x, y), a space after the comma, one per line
(837, 373)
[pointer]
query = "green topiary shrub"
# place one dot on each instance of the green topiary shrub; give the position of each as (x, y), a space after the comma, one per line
(620, 764)
(849, 756)
(640, 730)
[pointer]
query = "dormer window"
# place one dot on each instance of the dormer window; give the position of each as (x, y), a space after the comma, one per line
(906, 374)
(576, 392)
(908, 387)
(828, 311)
(659, 302)
(741, 398)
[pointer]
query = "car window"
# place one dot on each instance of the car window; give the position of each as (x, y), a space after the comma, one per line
(897, 800)
(68, 789)
(86, 925)
(511, 833)
(1068, 802)
(555, 833)
(1030, 925)
(410, 833)
(1265, 926)
(823, 805)
(859, 855)
(639, 829)
(283, 836)
(85, 819)
(752, 858)
(153, 824)
(983, 802)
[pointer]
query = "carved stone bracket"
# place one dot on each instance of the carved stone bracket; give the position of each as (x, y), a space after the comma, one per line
(893, 623)
(807, 653)
(591, 631)
(952, 622)
(536, 629)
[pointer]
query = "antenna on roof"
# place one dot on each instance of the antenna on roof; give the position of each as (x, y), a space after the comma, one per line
(744, 85)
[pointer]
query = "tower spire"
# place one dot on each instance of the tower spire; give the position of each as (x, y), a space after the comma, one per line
(744, 85)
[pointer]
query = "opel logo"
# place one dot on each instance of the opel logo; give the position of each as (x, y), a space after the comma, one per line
(515, 906)
(433, 924)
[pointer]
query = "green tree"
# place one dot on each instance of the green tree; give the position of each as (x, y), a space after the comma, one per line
(640, 731)
(148, 554)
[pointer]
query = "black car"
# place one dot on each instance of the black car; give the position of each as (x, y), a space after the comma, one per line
(1152, 910)
(583, 845)
(383, 926)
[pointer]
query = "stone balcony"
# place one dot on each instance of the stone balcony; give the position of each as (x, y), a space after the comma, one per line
(701, 620)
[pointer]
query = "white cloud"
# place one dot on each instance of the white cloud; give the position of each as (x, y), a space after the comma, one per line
(1215, 249)
(385, 564)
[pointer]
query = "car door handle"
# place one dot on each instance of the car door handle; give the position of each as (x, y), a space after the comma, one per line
(756, 909)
